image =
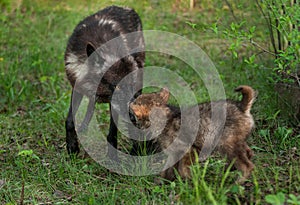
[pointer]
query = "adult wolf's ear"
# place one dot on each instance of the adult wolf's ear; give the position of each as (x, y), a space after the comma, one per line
(90, 49)
(164, 94)
(96, 58)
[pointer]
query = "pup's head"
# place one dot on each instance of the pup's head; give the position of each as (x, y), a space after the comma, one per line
(150, 108)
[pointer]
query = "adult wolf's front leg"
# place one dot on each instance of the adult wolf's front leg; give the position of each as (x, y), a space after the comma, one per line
(71, 135)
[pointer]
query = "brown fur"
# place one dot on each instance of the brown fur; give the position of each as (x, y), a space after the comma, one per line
(149, 109)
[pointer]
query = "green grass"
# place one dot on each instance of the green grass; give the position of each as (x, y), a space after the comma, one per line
(35, 95)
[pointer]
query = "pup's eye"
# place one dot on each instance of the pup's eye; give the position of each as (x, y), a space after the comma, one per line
(132, 116)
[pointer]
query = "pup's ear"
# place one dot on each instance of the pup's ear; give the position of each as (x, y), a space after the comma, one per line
(90, 49)
(139, 111)
(164, 94)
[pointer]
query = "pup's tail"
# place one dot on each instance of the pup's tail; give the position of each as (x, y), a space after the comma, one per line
(248, 97)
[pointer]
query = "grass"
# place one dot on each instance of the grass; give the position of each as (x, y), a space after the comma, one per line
(35, 95)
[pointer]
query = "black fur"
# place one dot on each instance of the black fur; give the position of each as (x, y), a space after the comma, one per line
(90, 34)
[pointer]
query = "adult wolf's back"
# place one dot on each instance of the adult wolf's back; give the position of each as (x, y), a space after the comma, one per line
(91, 56)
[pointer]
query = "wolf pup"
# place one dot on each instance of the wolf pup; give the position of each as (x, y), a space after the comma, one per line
(111, 61)
(148, 110)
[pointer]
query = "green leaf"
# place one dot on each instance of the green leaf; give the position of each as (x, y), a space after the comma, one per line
(43, 79)
(193, 25)
(294, 199)
(232, 26)
(157, 189)
(28, 154)
(257, 148)
(214, 27)
(252, 29)
(277, 199)
(173, 185)
(235, 54)
(235, 189)
(25, 153)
